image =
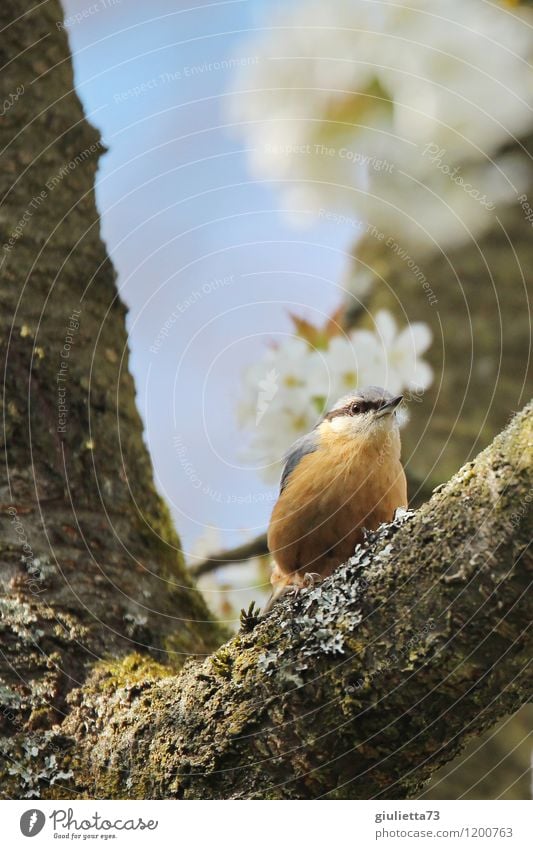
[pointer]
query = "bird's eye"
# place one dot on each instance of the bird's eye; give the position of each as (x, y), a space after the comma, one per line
(355, 409)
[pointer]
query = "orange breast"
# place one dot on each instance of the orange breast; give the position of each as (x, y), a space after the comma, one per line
(330, 497)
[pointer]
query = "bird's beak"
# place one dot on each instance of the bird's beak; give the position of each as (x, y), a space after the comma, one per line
(389, 408)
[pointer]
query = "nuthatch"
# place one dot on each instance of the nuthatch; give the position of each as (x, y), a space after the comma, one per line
(342, 478)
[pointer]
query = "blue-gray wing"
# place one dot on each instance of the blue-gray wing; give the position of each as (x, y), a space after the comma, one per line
(305, 445)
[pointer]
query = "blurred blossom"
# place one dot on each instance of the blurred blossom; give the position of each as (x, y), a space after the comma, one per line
(209, 542)
(283, 367)
(293, 412)
(310, 380)
(405, 367)
(233, 586)
(396, 112)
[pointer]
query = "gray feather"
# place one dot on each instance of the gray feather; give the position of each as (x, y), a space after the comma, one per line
(304, 445)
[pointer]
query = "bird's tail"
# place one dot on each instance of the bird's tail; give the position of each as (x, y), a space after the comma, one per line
(277, 593)
(281, 584)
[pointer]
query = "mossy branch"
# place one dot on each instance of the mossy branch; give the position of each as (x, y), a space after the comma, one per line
(358, 689)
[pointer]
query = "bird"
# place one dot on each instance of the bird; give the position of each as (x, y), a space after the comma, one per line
(343, 478)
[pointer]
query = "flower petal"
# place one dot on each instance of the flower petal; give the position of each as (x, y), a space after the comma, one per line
(385, 328)
(421, 378)
(417, 335)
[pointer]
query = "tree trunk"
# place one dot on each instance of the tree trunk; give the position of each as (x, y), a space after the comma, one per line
(360, 688)
(478, 307)
(89, 564)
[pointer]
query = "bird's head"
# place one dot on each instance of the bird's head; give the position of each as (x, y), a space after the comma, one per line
(370, 411)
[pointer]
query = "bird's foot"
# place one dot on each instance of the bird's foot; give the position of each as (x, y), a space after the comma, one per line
(311, 579)
(308, 582)
(400, 512)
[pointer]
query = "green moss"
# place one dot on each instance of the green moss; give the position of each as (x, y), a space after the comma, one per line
(135, 668)
(222, 662)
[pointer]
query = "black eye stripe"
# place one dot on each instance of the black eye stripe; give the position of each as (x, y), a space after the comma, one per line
(333, 414)
(364, 407)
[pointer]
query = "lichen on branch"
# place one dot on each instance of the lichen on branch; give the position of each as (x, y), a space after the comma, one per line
(360, 688)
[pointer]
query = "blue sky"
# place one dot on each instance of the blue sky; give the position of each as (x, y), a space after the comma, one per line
(191, 231)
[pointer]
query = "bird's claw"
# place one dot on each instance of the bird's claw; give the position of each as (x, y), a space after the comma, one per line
(309, 582)
(311, 579)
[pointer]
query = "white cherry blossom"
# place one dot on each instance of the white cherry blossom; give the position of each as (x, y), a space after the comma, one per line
(311, 380)
(351, 100)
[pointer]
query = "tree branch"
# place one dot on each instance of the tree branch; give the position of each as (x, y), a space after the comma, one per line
(256, 547)
(359, 689)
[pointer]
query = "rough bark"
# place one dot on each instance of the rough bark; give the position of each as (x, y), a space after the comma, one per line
(359, 689)
(476, 298)
(89, 563)
(481, 323)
